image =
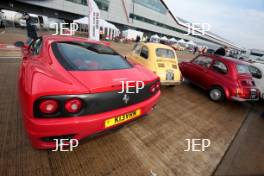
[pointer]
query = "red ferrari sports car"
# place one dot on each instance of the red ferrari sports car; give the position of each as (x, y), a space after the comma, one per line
(70, 88)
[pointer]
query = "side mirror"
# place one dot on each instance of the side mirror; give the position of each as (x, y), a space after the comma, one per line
(19, 44)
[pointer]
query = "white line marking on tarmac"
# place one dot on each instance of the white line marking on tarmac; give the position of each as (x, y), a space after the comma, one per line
(9, 57)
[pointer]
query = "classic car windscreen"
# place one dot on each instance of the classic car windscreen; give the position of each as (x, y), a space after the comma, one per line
(81, 56)
(165, 53)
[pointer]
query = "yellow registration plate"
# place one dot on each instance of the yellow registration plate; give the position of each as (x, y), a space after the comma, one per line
(122, 118)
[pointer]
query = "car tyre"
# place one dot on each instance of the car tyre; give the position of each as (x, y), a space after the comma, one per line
(217, 94)
(117, 128)
(185, 80)
(171, 86)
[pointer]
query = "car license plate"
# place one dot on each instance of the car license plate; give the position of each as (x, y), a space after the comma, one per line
(253, 94)
(122, 118)
(169, 75)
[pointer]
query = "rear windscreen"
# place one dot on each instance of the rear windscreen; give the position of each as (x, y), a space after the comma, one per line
(81, 56)
(165, 53)
(242, 69)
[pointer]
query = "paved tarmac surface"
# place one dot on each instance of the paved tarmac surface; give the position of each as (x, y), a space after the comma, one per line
(151, 145)
(245, 156)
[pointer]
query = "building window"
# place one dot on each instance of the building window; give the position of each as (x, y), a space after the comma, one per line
(155, 5)
(102, 4)
(155, 23)
(147, 20)
(82, 2)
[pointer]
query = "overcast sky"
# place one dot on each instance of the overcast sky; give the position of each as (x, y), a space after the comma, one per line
(239, 21)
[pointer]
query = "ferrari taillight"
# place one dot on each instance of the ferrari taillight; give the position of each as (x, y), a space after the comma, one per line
(158, 85)
(48, 106)
(154, 87)
(73, 105)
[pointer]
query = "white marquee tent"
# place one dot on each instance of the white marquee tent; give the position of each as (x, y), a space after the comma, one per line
(191, 43)
(132, 34)
(182, 41)
(173, 40)
(84, 20)
(154, 38)
(108, 29)
(164, 38)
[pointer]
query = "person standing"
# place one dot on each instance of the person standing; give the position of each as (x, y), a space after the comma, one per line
(221, 51)
(31, 28)
(195, 50)
(262, 115)
(137, 39)
(204, 50)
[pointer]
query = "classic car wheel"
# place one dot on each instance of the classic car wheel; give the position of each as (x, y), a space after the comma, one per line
(171, 86)
(262, 115)
(185, 80)
(216, 94)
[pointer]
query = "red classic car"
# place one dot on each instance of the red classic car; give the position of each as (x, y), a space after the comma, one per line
(222, 77)
(70, 87)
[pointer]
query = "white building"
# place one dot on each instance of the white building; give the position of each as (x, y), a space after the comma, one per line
(148, 16)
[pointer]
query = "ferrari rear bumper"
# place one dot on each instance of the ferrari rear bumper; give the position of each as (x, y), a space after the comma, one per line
(39, 130)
